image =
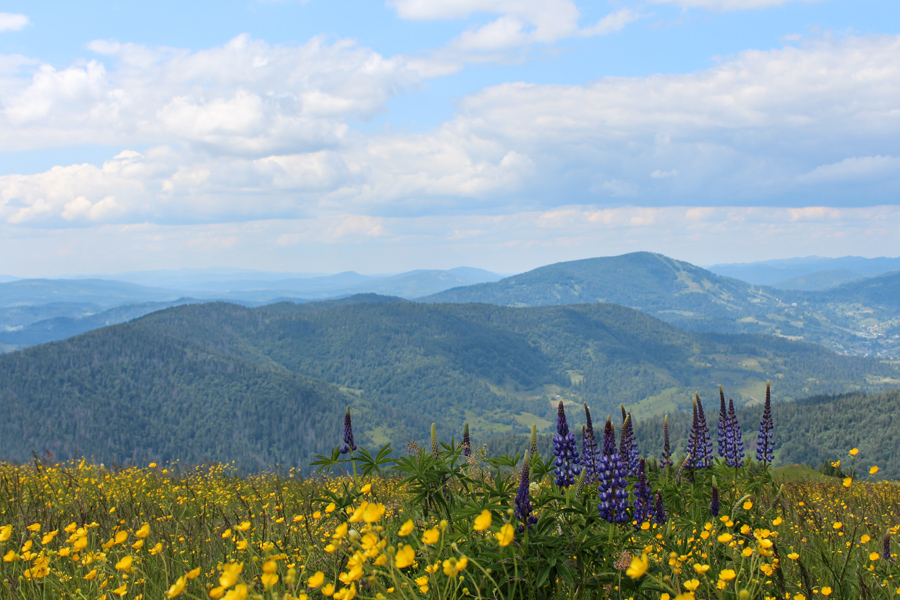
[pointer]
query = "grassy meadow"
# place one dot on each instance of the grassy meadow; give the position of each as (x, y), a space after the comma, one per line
(436, 523)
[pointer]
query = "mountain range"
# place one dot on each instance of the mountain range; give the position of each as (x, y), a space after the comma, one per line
(267, 385)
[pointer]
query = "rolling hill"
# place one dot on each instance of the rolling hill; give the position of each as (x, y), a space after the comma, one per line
(268, 385)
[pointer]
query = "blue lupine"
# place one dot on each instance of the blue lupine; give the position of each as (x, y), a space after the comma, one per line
(765, 451)
(667, 450)
(590, 452)
(643, 496)
(706, 457)
(568, 465)
(467, 443)
(348, 434)
(721, 438)
(659, 511)
(714, 501)
(886, 548)
(691, 449)
(611, 473)
(734, 438)
(628, 446)
(523, 498)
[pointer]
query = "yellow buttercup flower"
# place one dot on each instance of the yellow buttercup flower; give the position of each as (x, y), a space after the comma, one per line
(727, 574)
(725, 538)
(125, 563)
(316, 580)
(373, 513)
(873, 470)
(638, 566)
(177, 587)
(692, 584)
(854, 451)
(505, 535)
(405, 557)
(847, 482)
(143, 532)
(431, 536)
(406, 528)
(701, 569)
(483, 521)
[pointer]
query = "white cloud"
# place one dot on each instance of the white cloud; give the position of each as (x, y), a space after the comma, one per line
(660, 174)
(13, 22)
(245, 97)
(726, 5)
(854, 169)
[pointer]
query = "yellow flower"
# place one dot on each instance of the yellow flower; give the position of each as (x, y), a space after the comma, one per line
(357, 515)
(837, 525)
(405, 557)
(778, 521)
(125, 564)
(873, 470)
(152, 465)
(864, 539)
(701, 569)
(407, 528)
(5, 532)
(483, 521)
(505, 535)
(748, 505)
(330, 508)
(692, 584)
(340, 531)
(727, 574)
(854, 451)
(176, 588)
(847, 482)
(328, 590)
(268, 580)
(316, 580)
(793, 556)
(241, 545)
(874, 556)
(226, 534)
(143, 532)
(245, 526)
(638, 566)
(825, 591)
(121, 590)
(91, 574)
(238, 593)
(366, 488)
(192, 573)
(725, 538)
(373, 513)
(431, 536)
(230, 573)
(34, 527)
(154, 550)
(49, 537)
(422, 580)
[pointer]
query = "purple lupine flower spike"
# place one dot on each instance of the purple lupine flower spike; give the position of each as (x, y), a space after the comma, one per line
(667, 450)
(691, 449)
(734, 438)
(659, 511)
(611, 473)
(643, 496)
(765, 450)
(628, 446)
(568, 465)
(467, 443)
(886, 548)
(714, 503)
(348, 434)
(703, 438)
(590, 452)
(523, 498)
(722, 436)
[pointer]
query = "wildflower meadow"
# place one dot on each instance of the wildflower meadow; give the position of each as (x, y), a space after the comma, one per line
(597, 519)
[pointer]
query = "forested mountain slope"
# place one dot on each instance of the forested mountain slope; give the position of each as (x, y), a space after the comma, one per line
(268, 385)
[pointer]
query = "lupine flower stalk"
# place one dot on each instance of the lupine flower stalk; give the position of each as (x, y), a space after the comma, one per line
(611, 473)
(348, 434)
(523, 497)
(591, 452)
(886, 548)
(533, 447)
(659, 511)
(699, 446)
(434, 443)
(667, 450)
(467, 443)
(707, 451)
(765, 451)
(628, 446)
(733, 435)
(714, 503)
(723, 425)
(568, 465)
(643, 496)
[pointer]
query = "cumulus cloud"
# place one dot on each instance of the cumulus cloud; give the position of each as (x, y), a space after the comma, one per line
(245, 97)
(231, 144)
(13, 22)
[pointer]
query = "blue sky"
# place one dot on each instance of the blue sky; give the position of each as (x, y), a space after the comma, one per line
(386, 136)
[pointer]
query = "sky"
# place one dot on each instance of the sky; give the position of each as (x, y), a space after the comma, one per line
(378, 136)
